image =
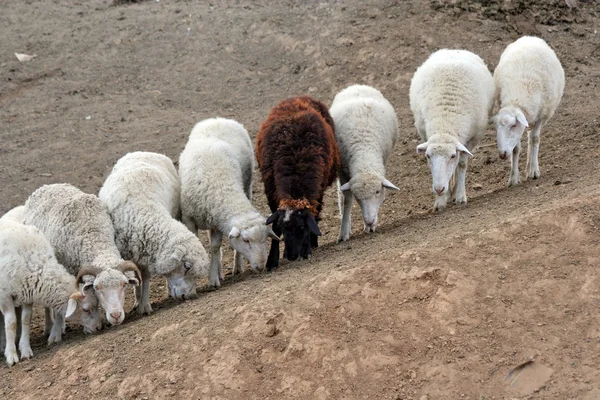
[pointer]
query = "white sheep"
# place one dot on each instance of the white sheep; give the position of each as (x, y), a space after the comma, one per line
(216, 169)
(530, 82)
(142, 196)
(366, 129)
(80, 230)
(451, 97)
(30, 274)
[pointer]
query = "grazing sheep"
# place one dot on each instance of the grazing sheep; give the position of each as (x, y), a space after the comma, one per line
(78, 227)
(530, 82)
(366, 128)
(142, 196)
(30, 274)
(216, 190)
(298, 157)
(451, 97)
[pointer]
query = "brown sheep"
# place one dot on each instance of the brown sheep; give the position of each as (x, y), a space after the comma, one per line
(299, 158)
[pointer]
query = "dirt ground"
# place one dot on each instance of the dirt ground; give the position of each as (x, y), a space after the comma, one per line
(432, 306)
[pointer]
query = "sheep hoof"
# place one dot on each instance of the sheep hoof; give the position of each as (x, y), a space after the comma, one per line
(26, 352)
(144, 309)
(513, 182)
(11, 357)
(534, 174)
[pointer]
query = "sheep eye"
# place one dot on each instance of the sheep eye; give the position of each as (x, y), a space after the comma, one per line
(187, 266)
(428, 156)
(377, 192)
(453, 156)
(247, 240)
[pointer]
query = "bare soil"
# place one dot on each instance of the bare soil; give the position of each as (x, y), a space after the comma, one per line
(432, 306)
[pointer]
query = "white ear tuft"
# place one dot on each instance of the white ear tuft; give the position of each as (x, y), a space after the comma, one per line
(522, 120)
(422, 148)
(235, 232)
(345, 187)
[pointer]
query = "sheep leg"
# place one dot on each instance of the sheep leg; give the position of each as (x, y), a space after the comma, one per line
(273, 259)
(2, 338)
(57, 328)
(7, 308)
(238, 263)
(460, 193)
(24, 342)
(216, 271)
(305, 250)
(190, 224)
(143, 306)
(346, 199)
(533, 151)
(48, 320)
(514, 178)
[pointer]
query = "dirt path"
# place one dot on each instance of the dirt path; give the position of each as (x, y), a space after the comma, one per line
(433, 306)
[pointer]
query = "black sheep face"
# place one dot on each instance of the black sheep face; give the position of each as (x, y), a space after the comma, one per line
(299, 230)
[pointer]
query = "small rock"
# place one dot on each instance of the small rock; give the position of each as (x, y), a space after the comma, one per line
(46, 175)
(312, 89)
(477, 186)
(272, 330)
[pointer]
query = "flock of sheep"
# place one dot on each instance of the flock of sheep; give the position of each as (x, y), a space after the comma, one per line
(75, 253)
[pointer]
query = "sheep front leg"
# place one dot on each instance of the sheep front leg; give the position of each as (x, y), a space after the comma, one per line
(460, 194)
(57, 328)
(7, 308)
(238, 263)
(142, 293)
(273, 259)
(346, 199)
(215, 275)
(514, 179)
(24, 343)
(533, 151)
(48, 320)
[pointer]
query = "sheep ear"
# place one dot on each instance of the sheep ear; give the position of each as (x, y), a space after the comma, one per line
(422, 148)
(345, 187)
(389, 185)
(312, 225)
(235, 232)
(71, 307)
(461, 147)
(521, 119)
(272, 234)
(273, 217)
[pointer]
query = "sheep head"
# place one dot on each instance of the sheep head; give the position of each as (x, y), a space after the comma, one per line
(109, 286)
(186, 264)
(510, 124)
(442, 152)
(249, 237)
(368, 188)
(296, 219)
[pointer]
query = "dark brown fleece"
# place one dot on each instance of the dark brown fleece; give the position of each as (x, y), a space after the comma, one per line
(297, 153)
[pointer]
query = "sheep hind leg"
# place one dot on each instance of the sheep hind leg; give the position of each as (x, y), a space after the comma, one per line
(215, 275)
(24, 342)
(514, 179)
(533, 151)
(48, 321)
(7, 308)
(460, 192)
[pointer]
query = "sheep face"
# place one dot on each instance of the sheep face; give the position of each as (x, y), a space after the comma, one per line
(251, 242)
(85, 310)
(442, 154)
(299, 229)
(510, 125)
(186, 265)
(369, 191)
(109, 286)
